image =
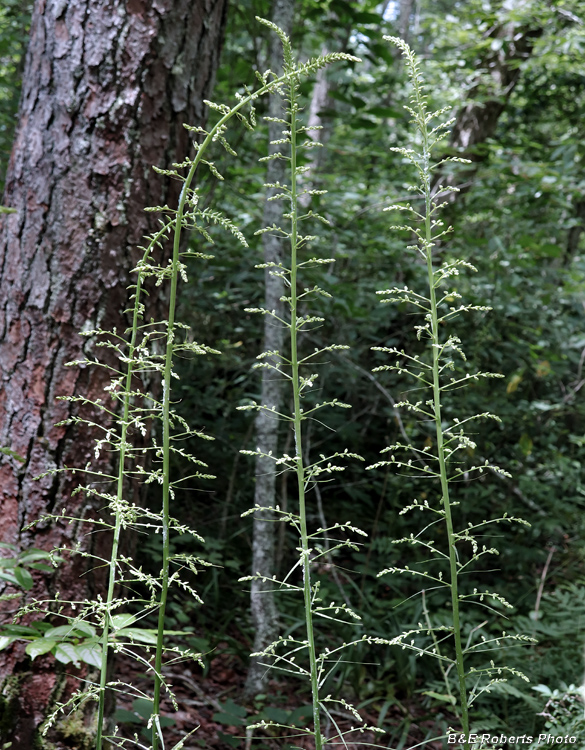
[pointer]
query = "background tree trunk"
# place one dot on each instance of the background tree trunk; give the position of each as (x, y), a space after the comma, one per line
(107, 85)
(497, 76)
(263, 605)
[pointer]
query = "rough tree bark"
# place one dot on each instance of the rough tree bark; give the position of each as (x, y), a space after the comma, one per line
(263, 605)
(106, 87)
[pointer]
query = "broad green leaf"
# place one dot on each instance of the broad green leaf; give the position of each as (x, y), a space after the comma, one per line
(229, 739)
(5, 641)
(228, 719)
(32, 555)
(90, 654)
(143, 706)
(84, 627)
(24, 578)
(41, 626)
(62, 630)
(122, 621)
(366, 17)
(232, 714)
(40, 646)
(128, 717)
(41, 566)
(526, 444)
(19, 630)
(300, 716)
(137, 634)
(383, 112)
(279, 715)
(65, 653)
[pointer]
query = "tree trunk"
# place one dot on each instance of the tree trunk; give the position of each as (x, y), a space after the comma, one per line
(317, 131)
(106, 87)
(497, 76)
(263, 605)
(575, 232)
(404, 18)
(499, 73)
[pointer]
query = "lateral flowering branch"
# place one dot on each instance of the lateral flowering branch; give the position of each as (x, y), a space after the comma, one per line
(442, 460)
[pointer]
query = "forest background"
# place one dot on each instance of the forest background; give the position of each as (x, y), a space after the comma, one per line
(512, 74)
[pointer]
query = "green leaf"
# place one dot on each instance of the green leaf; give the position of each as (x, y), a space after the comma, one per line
(526, 444)
(84, 627)
(41, 566)
(63, 630)
(366, 17)
(383, 112)
(300, 716)
(441, 697)
(41, 625)
(5, 641)
(65, 653)
(32, 555)
(24, 578)
(7, 451)
(122, 621)
(122, 715)
(231, 714)
(19, 630)
(90, 653)
(142, 635)
(279, 715)
(40, 646)
(143, 706)
(229, 739)
(228, 719)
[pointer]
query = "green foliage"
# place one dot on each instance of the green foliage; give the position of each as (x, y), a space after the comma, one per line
(513, 224)
(14, 22)
(17, 566)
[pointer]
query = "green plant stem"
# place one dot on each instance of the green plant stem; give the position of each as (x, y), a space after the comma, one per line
(116, 540)
(119, 497)
(305, 551)
(440, 447)
(165, 523)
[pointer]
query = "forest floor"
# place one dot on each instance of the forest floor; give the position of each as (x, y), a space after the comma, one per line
(212, 701)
